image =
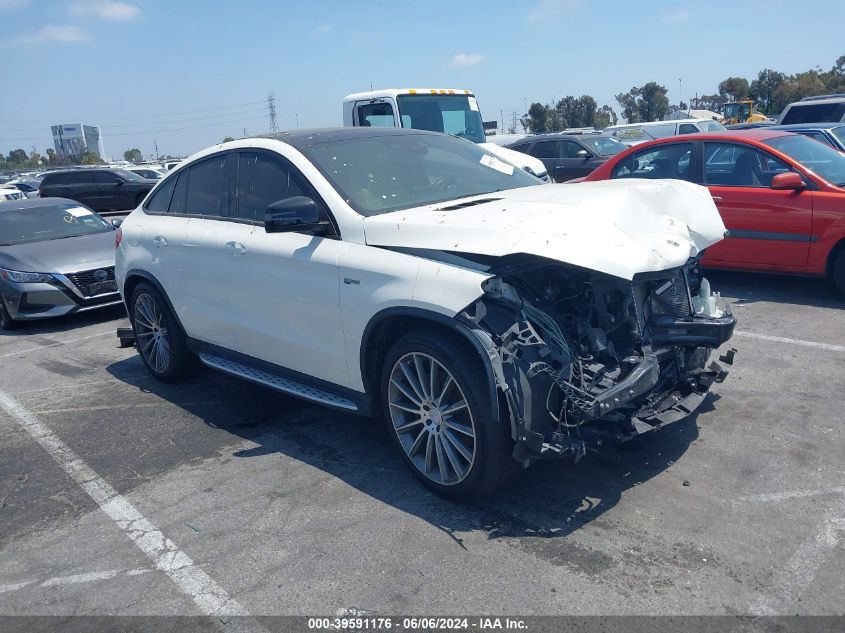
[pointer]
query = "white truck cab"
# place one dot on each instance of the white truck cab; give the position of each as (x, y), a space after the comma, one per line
(454, 112)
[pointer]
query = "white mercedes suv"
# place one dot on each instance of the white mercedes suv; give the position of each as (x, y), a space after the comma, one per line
(491, 321)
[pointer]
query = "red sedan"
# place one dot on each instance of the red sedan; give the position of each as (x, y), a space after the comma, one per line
(781, 195)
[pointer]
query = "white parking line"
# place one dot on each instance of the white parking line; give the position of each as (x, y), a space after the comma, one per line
(74, 579)
(789, 494)
(57, 343)
(15, 586)
(801, 569)
(165, 554)
(792, 341)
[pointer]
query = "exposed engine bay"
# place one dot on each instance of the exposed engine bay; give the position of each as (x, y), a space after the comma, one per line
(583, 357)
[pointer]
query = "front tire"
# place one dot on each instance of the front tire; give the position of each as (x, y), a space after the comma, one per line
(437, 406)
(158, 336)
(6, 321)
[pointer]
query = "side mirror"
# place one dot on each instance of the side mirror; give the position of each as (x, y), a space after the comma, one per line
(298, 213)
(582, 153)
(116, 222)
(788, 180)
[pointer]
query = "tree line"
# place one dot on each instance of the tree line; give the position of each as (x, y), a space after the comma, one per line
(771, 91)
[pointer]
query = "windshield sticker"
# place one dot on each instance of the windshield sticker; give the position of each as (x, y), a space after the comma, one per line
(473, 103)
(78, 212)
(499, 165)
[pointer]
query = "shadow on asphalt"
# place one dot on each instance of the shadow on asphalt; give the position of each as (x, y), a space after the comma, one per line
(65, 323)
(549, 500)
(753, 287)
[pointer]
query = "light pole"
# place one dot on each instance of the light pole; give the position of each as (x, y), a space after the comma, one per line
(680, 91)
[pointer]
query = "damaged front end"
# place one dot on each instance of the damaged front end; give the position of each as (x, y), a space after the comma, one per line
(582, 357)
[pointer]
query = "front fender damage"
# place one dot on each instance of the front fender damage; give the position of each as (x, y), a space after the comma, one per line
(601, 365)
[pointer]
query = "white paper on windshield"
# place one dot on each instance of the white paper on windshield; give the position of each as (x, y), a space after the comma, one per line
(473, 103)
(78, 212)
(499, 165)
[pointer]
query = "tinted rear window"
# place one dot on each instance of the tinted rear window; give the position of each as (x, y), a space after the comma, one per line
(814, 113)
(207, 190)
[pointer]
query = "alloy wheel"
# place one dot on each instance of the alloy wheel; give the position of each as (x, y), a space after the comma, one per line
(151, 333)
(431, 418)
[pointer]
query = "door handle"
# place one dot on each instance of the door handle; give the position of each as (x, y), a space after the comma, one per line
(159, 241)
(717, 199)
(235, 248)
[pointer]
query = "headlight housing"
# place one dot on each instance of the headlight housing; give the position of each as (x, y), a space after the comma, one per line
(25, 278)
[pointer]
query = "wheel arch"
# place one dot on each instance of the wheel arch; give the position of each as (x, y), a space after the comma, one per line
(136, 276)
(385, 326)
(838, 248)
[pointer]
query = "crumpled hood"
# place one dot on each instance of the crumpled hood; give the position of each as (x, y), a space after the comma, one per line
(618, 227)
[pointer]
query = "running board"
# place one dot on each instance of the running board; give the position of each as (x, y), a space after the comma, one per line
(276, 382)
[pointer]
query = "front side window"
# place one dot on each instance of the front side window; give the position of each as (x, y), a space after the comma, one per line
(379, 174)
(816, 136)
(666, 161)
(105, 178)
(263, 180)
(687, 128)
(208, 193)
(732, 165)
(839, 133)
(570, 149)
(49, 222)
(376, 115)
(823, 160)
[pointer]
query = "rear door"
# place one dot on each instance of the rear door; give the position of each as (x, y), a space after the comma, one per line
(549, 153)
(109, 193)
(769, 228)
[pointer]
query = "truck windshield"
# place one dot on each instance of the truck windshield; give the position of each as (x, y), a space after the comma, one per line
(457, 115)
(397, 170)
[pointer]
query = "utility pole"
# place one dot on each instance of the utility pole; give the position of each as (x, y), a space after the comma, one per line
(271, 107)
(297, 121)
(502, 120)
(155, 143)
(245, 134)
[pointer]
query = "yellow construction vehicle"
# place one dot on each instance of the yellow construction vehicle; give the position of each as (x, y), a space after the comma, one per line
(741, 112)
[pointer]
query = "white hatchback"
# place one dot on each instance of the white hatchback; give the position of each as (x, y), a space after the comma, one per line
(490, 321)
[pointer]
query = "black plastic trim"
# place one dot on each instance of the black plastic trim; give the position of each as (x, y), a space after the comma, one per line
(362, 400)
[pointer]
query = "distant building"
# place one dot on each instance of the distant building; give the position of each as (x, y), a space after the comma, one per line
(72, 140)
(693, 114)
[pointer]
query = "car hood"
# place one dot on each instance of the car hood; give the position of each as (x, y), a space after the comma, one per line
(66, 255)
(618, 227)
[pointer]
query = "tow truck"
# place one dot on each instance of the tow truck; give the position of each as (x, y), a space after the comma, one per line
(454, 112)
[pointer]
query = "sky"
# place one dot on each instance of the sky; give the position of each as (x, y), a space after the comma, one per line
(185, 74)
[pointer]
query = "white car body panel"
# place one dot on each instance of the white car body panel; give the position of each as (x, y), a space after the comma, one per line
(618, 227)
(519, 159)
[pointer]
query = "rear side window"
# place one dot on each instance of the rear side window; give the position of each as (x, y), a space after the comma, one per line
(262, 180)
(77, 178)
(177, 202)
(208, 191)
(544, 149)
(52, 180)
(160, 200)
(666, 161)
(815, 113)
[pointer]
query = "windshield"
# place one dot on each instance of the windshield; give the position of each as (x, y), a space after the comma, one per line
(37, 224)
(127, 175)
(839, 133)
(379, 174)
(819, 157)
(603, 145)
(457, 115)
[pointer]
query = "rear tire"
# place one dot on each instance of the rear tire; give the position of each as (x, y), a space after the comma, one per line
(159, 338)
(6, 321)
(838, 272)
(437, 407)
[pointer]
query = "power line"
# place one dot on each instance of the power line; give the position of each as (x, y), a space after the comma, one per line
(271, 106)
